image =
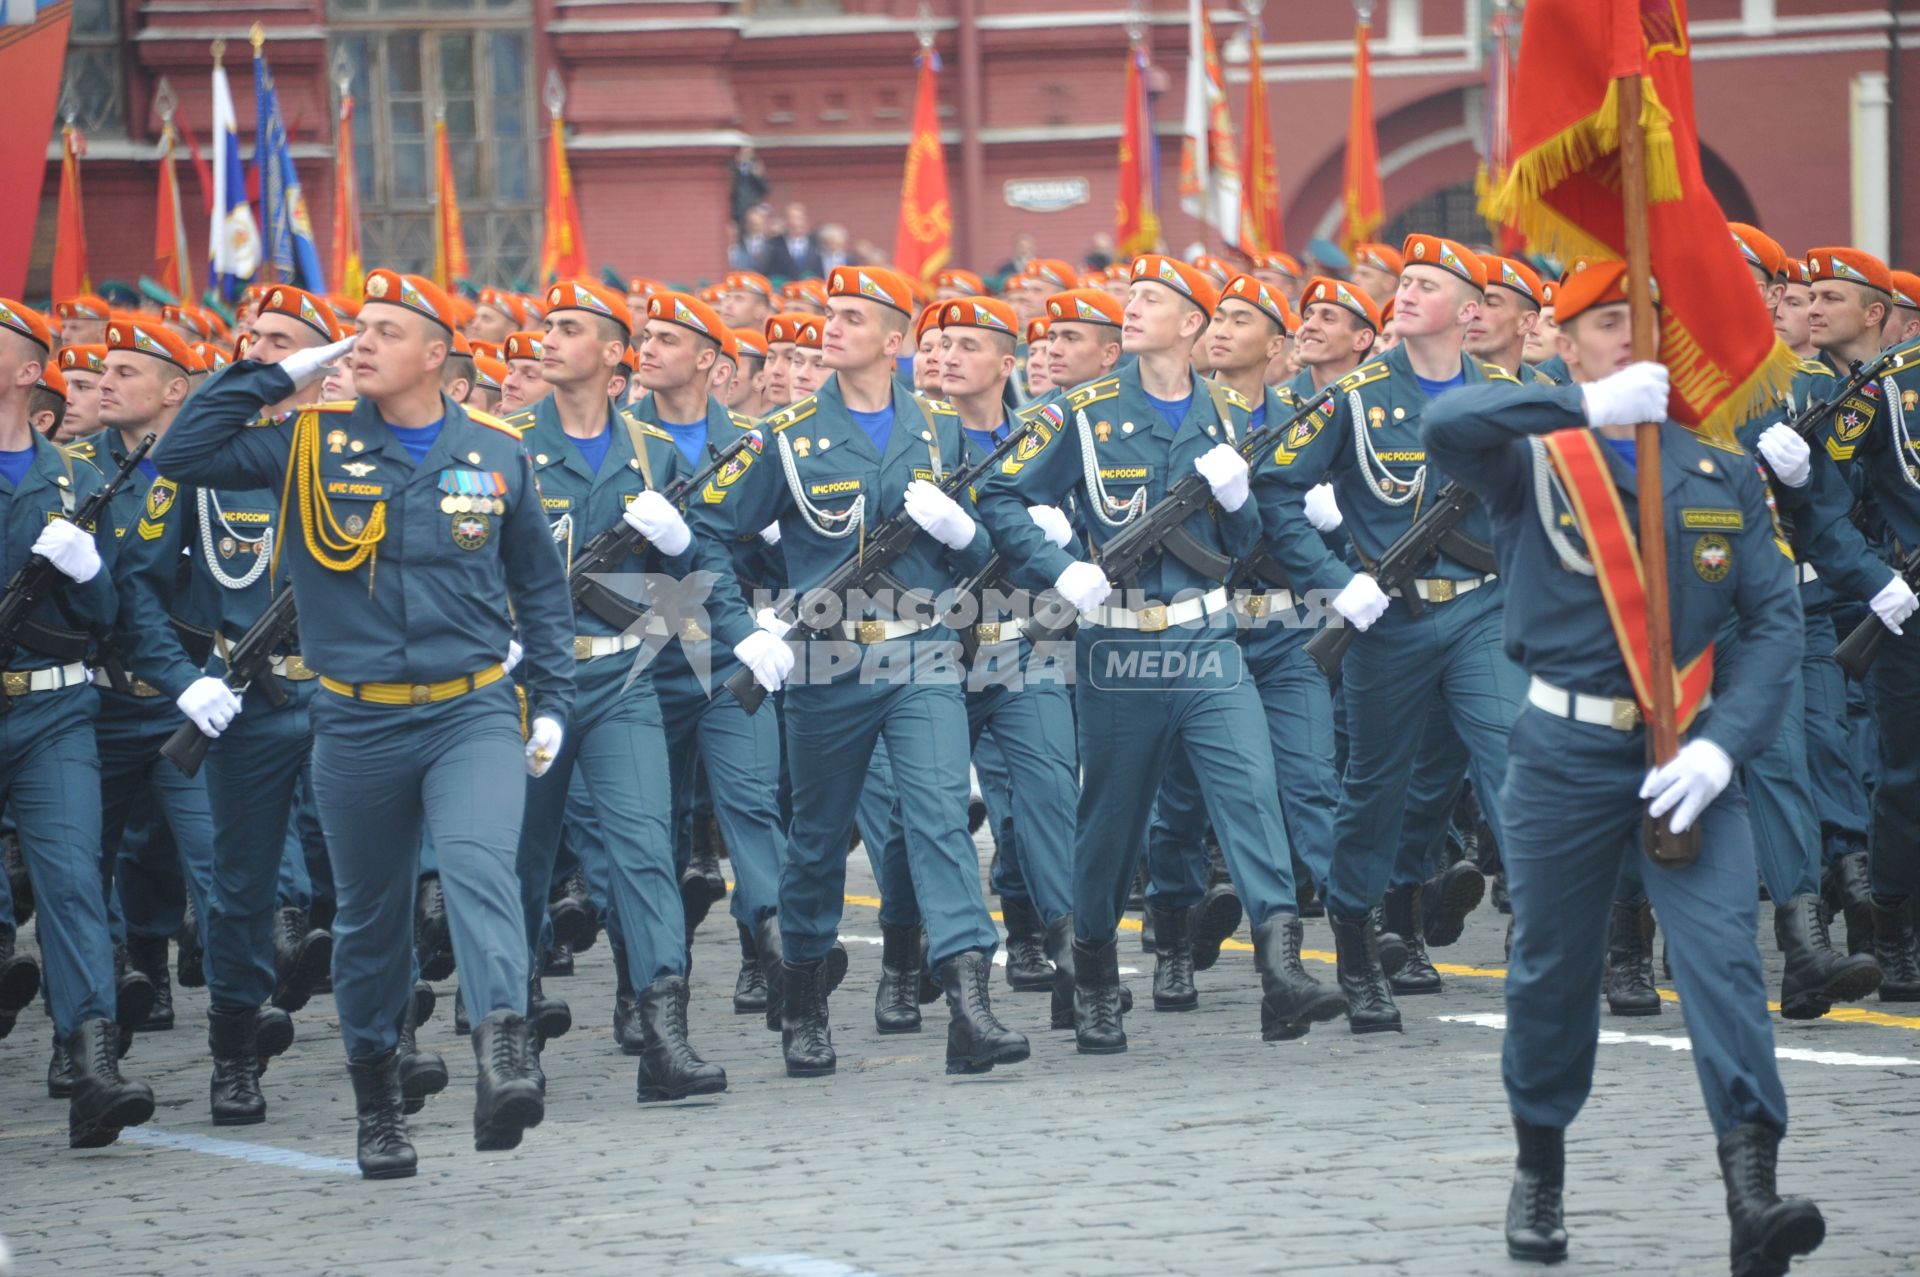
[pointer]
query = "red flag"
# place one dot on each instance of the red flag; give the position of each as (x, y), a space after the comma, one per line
(922, 244)
(1497, 153)
(70, 229)
(449, 241)
(1366, 206)
(565, 253)
(171, 266)
(32, 55)
(1563, 194)
(1136, 220)
(1209, 161)
(349, 271)
(1260, 226)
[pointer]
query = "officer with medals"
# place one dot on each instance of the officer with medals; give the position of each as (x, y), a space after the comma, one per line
(596, 467)
(1369, 448)
(1556, 470)
(224, 540)
(419, 525)
(47, 752)
(1158, 671)
(860, 450)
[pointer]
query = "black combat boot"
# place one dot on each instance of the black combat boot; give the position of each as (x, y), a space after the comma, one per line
(432, 938)
(148, 956)
(550, 1017)
(1816, 977)
(556, 962)
(1308, 895)
(575, 925)
(750, 986)
(1850, 888)
(1392, 946)
(1629, 984)
(384, 1151)
(59, 1071)
(1536, 1222)
(19, 981)
(1363, 982)
(976, 1040)
(190, 958)
(272, 1034)
(1401, 912)
(626, 1003)
(806, 1038)
(1894, 946)
(1212, 924)
(896, 1006)
(1059, 942)
(422, 1073)
(767, 951)
(302, 954)
(927, 989)
(1098, 1026)
(1027, 967)
(1768, 1229)
(1173, 987)
(1291, 1001)
(669, 1067)
(1147, 942)
(506, 1098)
(235, 1092)
(1447, 898)
(134, 999)
(103, 1102)
(701, 884)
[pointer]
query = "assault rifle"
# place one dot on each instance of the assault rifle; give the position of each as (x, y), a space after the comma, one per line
(1857, 650)
(249, 661)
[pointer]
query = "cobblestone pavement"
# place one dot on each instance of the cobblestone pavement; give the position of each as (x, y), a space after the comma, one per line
(1202, 1150)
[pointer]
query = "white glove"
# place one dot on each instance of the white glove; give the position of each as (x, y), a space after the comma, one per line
(939, 515)
(653, 517)
(514, 653)
(1052, 521)
(771, 533)
(70, 548)
(543, 746)
(1635, 394)
(304, 365)
(1225, 471)
(210, 703)
(770, 659)
(1362, 602)
(1323, 512)
(1894, 604)
(769, 620)
(1084, 585)
(1787, 453)
(1689, 783)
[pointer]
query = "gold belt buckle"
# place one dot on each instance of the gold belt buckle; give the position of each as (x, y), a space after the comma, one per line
(582, 647)
(1255, 605)
(987, 632)
(17, 682)
(1440, 591)
(1153, 618)
(1626, 715)
(873, 632)
(690, 632)
(419, 694)
(297, 668)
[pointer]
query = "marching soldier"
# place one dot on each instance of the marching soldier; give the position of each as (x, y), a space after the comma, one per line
(1375, 270)
(1790, 317)
(746, 300)
(83, 367)
(524, 386)
(780, 330)
(419, 523)
(1509, 312)
(1084, 331)
(746, 394)
(1555, 468)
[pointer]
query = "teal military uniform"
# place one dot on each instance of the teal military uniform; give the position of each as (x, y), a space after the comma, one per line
(821, 467)
(1366, 442)
(414, 723)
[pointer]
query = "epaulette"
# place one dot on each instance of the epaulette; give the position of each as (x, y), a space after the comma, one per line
(652, 431)
(1814, 368)
(80, 450)
(1286, 396)
(1494, 372)
(520, 420)
(1233, 396)
(492, 422)
(941, 405)
(740, 420)
(1093, 392)
(1030, 412)
(1365, 375)
(336, 405)
(792, 413)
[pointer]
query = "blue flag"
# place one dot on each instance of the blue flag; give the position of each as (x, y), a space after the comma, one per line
(233, 239)
(291, 254)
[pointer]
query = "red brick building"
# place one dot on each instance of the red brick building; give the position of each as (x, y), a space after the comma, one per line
(1803, 104)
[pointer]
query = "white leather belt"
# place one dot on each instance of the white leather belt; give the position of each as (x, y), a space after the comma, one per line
(1159, 616)
(50, 679)
(1808, 573)
(1621, 713)
(879, 631)
(293, 668)
(588, 646)
(1255, 604)
(1443, 589)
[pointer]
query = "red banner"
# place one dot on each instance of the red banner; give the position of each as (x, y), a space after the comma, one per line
(70, 227)
(449, 240)
(171, 265)
(32, 56)
(1260, 226)
(1136, 221)
(565, 253)
(1366, 206)
(922, 244)
(349, 268)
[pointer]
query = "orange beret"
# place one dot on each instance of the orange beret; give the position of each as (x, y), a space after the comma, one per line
(807, 330)
(30, 324)
(1511, 273)
(296, 303)
(1797, 272)
(1448, 255)
(692, 313)
(461, 346)
(875, 283)
(1549, 291)
(750, 342)
(980, 312)
(1039, 329)
(525, 346)
(1328, 291)
(1214, 266)
(1052, 270)
(1379, 256)
(929, 317)
(83, 358)
(1851, 265)
(252, 293)
(711, 294)
(51, 380)
(211, 357)
(631, 360)
(813, 290)
(416, 293)
(1245, 288)
(1085, 306)
(595, 299)
(1591, 282)
(464, 310)
(1285, 263)
(139, 334)
(781, 328)
(641, 286)
(84, 306)
(965, 280)
(1759, 249)
(343, 306)
(1906, 289)
(488, 372)
(1186, 280)
(746, 281)
(508, 304)
(189, 317)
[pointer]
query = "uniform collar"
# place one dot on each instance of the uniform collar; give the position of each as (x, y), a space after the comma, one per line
(1681, 456)
(1201, 403)
(49, 468)
(568, 453)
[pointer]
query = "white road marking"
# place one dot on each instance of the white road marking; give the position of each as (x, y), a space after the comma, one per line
(258, 1154)
(798, 1264)
(1678, 1042)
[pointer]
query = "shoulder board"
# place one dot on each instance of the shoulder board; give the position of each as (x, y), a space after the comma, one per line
(1495, 372)
(941, 405)
(1721, 446)
(1814, 368)
(792, 414)
(1093, 392)
(650, 430)
(520, 420)
(335, 405)
(740, 420)
(1233, 396)
(79, 449)
(491, 422)
(1032, 411)
(1365, 375)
